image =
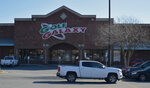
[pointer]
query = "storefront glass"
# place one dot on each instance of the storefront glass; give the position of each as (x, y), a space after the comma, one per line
(116, 56)
(63, 56)
(34, 55)
(11, 52)
(98, 55)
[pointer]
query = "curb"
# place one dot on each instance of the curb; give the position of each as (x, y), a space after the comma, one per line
(40, 65)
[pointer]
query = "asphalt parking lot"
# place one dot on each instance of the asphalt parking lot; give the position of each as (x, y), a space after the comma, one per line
(43, 76)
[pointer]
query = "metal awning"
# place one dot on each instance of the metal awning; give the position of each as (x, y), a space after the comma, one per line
(145, 46)
(6, 42)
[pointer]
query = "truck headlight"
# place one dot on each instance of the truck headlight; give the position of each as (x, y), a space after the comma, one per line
(120, 71)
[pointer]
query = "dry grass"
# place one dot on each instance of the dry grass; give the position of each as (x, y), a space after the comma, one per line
(2, 72)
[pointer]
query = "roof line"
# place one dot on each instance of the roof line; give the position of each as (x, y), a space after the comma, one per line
(23, 19)
(6, 24)
(104, 19)
(60, 8)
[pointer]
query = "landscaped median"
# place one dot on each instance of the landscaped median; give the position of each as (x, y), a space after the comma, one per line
(2, 72)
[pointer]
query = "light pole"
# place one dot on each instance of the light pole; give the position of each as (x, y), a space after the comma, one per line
(109, 48)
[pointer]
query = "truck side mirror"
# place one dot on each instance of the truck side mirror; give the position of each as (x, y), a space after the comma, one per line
(103, 67)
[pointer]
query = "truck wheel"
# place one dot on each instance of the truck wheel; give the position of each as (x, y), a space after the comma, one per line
(71, 77)
(142, 77)
(106, 79)
(112, 78)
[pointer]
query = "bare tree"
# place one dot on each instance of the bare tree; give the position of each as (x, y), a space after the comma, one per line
(128, 35)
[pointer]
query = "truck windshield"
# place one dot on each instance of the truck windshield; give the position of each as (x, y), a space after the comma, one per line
(8, 58)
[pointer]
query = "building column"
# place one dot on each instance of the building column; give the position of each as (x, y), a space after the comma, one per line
(81, 54)
(45, 55)
(81, 51)
(45, 48)
(17, 53)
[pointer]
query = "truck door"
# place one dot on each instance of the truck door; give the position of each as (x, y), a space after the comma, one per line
(92, 70)
(99, 70)
(85, 69)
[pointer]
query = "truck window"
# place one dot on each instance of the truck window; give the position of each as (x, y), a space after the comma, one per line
(97, 65)
(92, 64)
(87, 64)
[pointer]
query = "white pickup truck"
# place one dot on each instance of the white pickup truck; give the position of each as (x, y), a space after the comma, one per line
(9, 61)
(89, 70)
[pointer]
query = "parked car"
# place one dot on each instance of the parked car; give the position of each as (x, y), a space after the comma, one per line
(124, 69)
(140, 67)
(9, 61)
(141, 75)
(136, 61)
(91, 70)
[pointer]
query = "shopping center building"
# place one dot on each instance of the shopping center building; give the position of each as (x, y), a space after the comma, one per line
(62, 35)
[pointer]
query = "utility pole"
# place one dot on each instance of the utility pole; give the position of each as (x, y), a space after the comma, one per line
(109, 47)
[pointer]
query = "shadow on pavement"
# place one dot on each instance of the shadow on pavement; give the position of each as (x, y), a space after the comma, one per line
(134, 80)
(65, 82)
(44, 77)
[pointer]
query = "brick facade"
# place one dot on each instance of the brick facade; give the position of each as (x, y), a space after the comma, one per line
(26, 35)
(7, 31)
(27, 32)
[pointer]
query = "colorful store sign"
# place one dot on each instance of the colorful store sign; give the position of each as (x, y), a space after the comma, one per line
(49, 30)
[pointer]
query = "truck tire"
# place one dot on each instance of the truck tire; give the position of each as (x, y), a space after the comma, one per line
(142, 77)
(112, 78)
(71, 77)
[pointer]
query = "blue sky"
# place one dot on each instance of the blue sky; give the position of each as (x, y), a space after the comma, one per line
(10, 9)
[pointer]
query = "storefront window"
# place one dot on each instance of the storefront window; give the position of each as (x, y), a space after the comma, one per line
(34, 54)
(11, 52)
(54, 54)
(63, 56)
(75, 56)
(98, 55)
(116, 56)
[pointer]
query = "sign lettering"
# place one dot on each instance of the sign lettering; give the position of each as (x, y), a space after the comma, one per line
(49, 30)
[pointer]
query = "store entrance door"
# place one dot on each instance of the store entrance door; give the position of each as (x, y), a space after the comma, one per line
(63, 54)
